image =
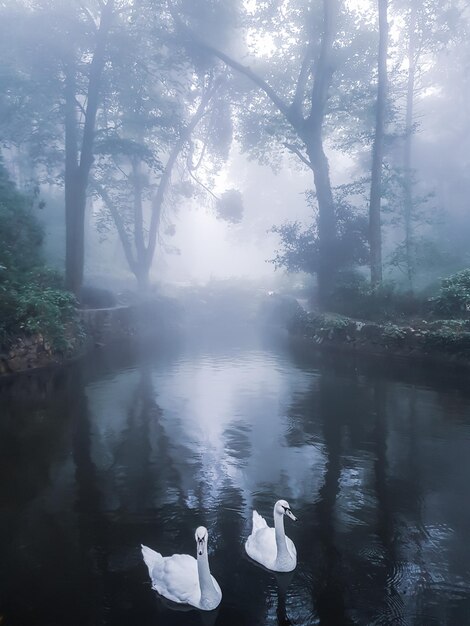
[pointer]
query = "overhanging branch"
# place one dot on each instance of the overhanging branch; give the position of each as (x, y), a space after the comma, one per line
(278, 102)
(297, 152)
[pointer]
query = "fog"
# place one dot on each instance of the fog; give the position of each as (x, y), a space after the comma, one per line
(234, 277)
(231, 146)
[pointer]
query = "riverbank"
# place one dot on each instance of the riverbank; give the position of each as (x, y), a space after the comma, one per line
(446, 341)
(96, 328)
(437, 341)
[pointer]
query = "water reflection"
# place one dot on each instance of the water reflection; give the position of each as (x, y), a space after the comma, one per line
(102, 459)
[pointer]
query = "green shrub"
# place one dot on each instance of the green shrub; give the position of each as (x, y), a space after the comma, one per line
(454, 296)
(355, 297)
(31, 308)
(32, 300)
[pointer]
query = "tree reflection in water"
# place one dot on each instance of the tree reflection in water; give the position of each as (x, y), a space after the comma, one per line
(374, 466)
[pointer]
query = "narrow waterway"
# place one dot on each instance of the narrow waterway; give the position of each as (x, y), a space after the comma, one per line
(120, 450)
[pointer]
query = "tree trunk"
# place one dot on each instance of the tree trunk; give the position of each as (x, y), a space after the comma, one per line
(326, 220)
(375, 233)
(72, 209)
(77, 172)
(142, 264)
(408, 173)
(311, 131)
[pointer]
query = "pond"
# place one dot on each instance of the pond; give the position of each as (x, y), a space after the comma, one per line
(125, 448)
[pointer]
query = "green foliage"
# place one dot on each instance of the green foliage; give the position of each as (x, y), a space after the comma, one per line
(33, 309)
(20, 233)
(230, 206)
(354, 296)
(454, 296)
(300, 249)
(331, 321)
(31, 298)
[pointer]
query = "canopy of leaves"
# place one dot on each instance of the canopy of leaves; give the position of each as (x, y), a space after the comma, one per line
(230, 206)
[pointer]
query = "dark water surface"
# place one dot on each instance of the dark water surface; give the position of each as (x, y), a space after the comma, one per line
(119, 451)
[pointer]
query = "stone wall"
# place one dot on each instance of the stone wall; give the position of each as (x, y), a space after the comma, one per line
(28, 353)
(102, 327)
(440, 340)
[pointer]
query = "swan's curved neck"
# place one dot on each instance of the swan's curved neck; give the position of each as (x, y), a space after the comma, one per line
(208, 591)
(281, 543)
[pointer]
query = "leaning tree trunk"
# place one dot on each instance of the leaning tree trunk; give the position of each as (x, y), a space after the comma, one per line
(77, 170)
(375, 231)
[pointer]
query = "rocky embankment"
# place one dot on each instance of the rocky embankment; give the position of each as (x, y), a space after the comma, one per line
(98, 327)
(444, 340)
(31, 352)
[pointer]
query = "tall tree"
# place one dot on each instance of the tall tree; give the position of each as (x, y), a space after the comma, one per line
(303, 105)
(429, 26)
(407, 163)
(128, 177)
(79, 152)
(160, 123)
(62, 50)
(375, 226)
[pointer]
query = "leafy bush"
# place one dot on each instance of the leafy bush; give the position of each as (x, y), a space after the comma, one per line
(31, 309)
(32, 300)
(355, 297)
(454, 296)
(299, 247)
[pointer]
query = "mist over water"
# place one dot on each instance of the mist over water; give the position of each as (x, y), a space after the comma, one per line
(108, 455)
(211, 214)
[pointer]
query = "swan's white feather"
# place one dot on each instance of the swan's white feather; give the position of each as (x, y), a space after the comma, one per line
(258, 522)
(261, 546)
(175, 577)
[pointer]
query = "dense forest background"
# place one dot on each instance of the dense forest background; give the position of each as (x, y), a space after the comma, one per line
(329, 138)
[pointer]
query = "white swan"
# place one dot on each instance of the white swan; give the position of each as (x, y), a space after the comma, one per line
(183, 579)
(270, 546)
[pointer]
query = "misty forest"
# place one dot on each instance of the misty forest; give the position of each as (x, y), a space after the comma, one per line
(234, 312)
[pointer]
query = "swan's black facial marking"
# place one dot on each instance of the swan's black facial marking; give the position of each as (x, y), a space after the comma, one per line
(288, 512)
(200, 543)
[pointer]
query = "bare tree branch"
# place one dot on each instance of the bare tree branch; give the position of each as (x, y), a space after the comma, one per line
(296, 151)
(305, 70)
(202, 185)
(88, 15)
(243, 69)
(157, 201)
(123, 236)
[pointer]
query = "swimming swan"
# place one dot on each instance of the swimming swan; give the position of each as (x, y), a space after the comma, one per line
(183, 579)
(270, 546)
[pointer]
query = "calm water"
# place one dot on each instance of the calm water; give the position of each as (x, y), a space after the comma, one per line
(119, 451)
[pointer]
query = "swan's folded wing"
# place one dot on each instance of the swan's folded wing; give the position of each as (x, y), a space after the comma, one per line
(258, 522)
(261, 546)
(180, 579)
(154, 562)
